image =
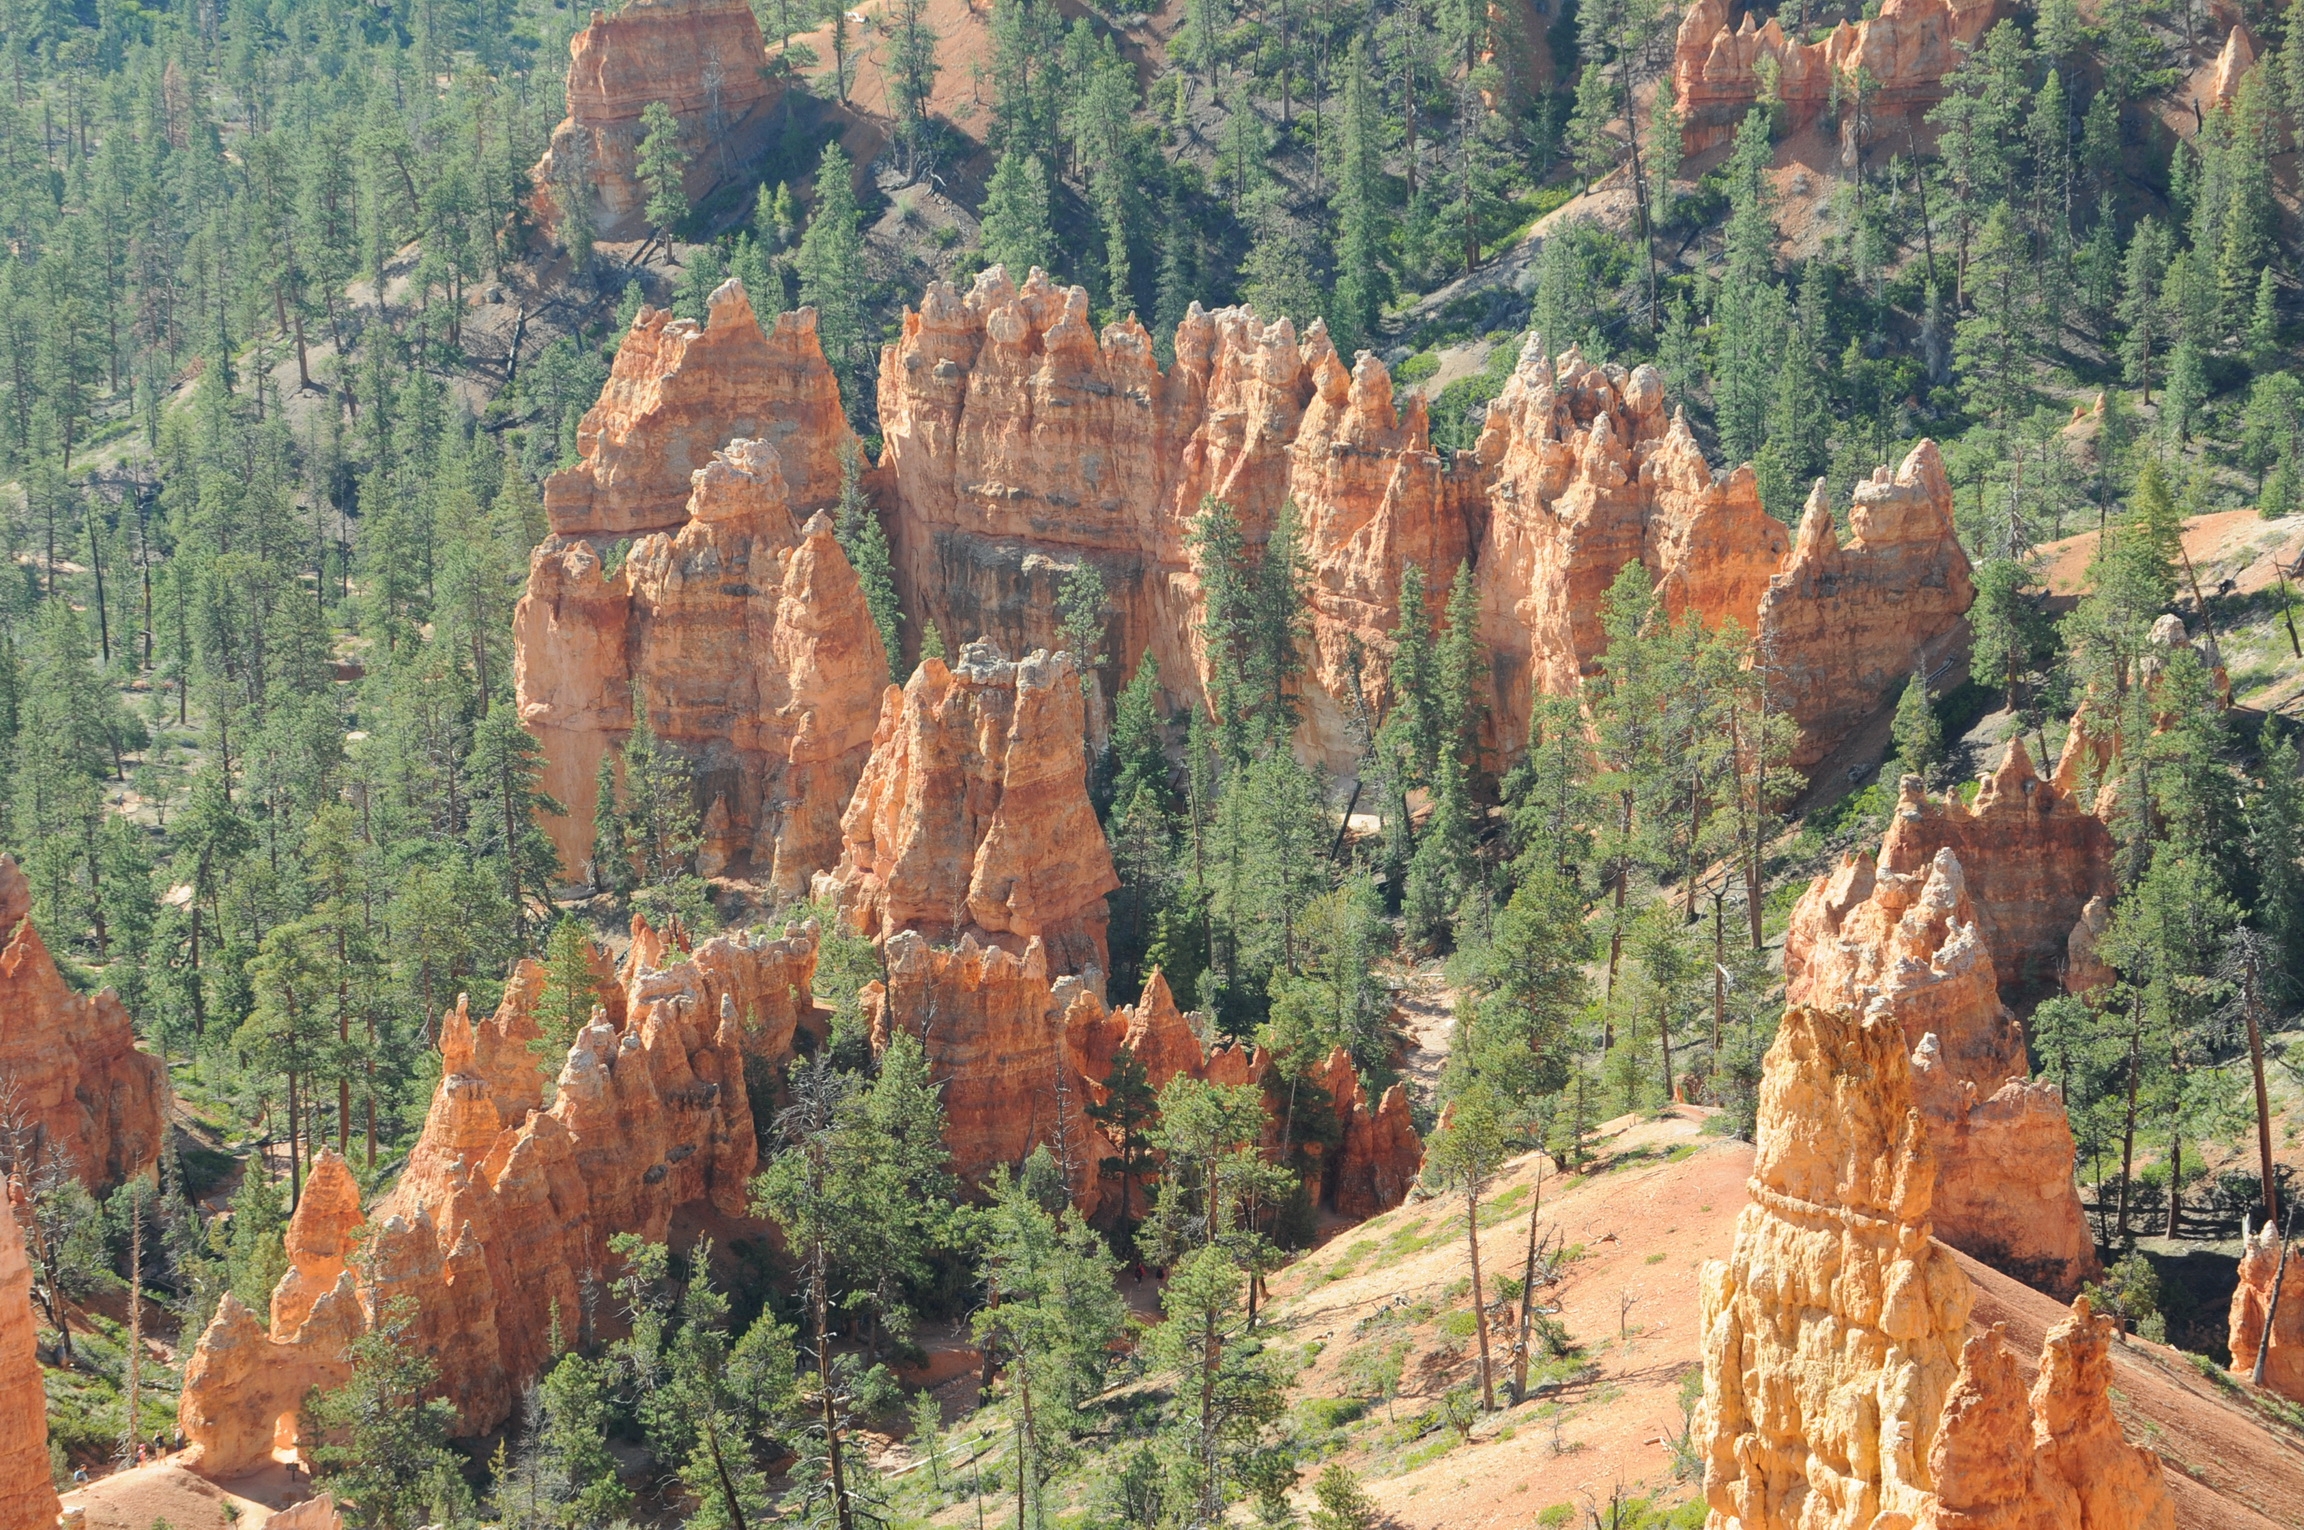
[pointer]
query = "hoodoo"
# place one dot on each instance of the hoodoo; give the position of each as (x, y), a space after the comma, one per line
(70, 1071)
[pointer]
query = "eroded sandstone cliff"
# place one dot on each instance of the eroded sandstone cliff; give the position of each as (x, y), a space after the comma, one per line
(71, 1078)
(504, 1213)
(1906, 50)
(702, 58)
(743, 632)
(1906, 946)
(27, 1492)
(2252, 1303)
(972, 819)
(1021, 444)
(1840, 1389)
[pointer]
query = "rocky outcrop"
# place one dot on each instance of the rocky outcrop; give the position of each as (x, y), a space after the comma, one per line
(2034, 858)
(1589, 471)
(73, 1085)
(1906, 50)
(2055, 1458)
(1021, 444)
(2260, 1271)
(1840, 1391)
(486, 1246)
(744, 634)
(680, 391)
(27, 1492)
(702, 58)
(972, 816)
(1843, 627)
(318, 1240)
(1906, 946)
(1380, 1155)
(992, 1024)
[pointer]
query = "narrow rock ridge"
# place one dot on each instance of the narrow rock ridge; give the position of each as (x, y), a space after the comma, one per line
(2035, 861)
(702, 58)
(504, 1213)
(1841, 1391)
(1905, 946)
(747, 638)
(677, 393)
(27, 1492)
(1907, 49)
(1019, 1057)
(2251, 1302)
(69, 1066)
(972, 819)
(1020, 444)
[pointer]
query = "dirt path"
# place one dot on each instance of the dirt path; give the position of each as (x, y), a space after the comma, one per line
(1427, 1018)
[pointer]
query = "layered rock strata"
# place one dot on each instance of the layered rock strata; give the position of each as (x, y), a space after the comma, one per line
(702, 58)
(992, 1023)
(972, 819)
(677, 393)
(27, 1491)
(2252, 1304)
(73, 1086)
(1021, 444)
(1902, 55)
(744, 632)
(1905, 946)
(1839, 1391)
(2035, 862)
(502, 1219)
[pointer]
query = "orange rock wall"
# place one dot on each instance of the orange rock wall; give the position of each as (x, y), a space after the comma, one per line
(1907, 49)
(1020, 444)
(505, 1210)
(27, 1492)
(70, 1063)
(1841, 1390)
(746, 633)
(1907, 946)
(704, 59)
(2252, 1301)
(972, 815)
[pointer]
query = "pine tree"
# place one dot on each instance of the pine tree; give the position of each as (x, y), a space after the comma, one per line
(662, 166)
(1918, 736)
(1357, 206)
(832, 279)
(1015, 231)
(862, 538)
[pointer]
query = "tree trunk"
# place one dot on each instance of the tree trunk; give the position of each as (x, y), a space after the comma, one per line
(1479, 1302)
(1527, 1294)
(2263, 1101)
(2128, 1129)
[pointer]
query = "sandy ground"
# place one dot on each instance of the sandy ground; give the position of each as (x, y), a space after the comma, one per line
(132, 1500)
(1644, 1223)
(2238, 545)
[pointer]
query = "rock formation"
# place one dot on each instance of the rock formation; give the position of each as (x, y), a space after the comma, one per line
(2055, 1458)
(1380, 1155)
(680, 391)
(1907, 49)
(972, 816)
(72, 1082)
(27, 1492)
(993, 1026)
(1589, 472)
(744, 633)
(318, 1240)
(1906, 946)
(2035, 860)
(702, 58)
(2260, 1269)
(1021, 444)
(1838, 1391)
(504, 1213)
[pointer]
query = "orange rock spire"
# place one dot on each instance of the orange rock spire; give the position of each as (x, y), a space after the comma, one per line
(27, 1492)
(69, 1066)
